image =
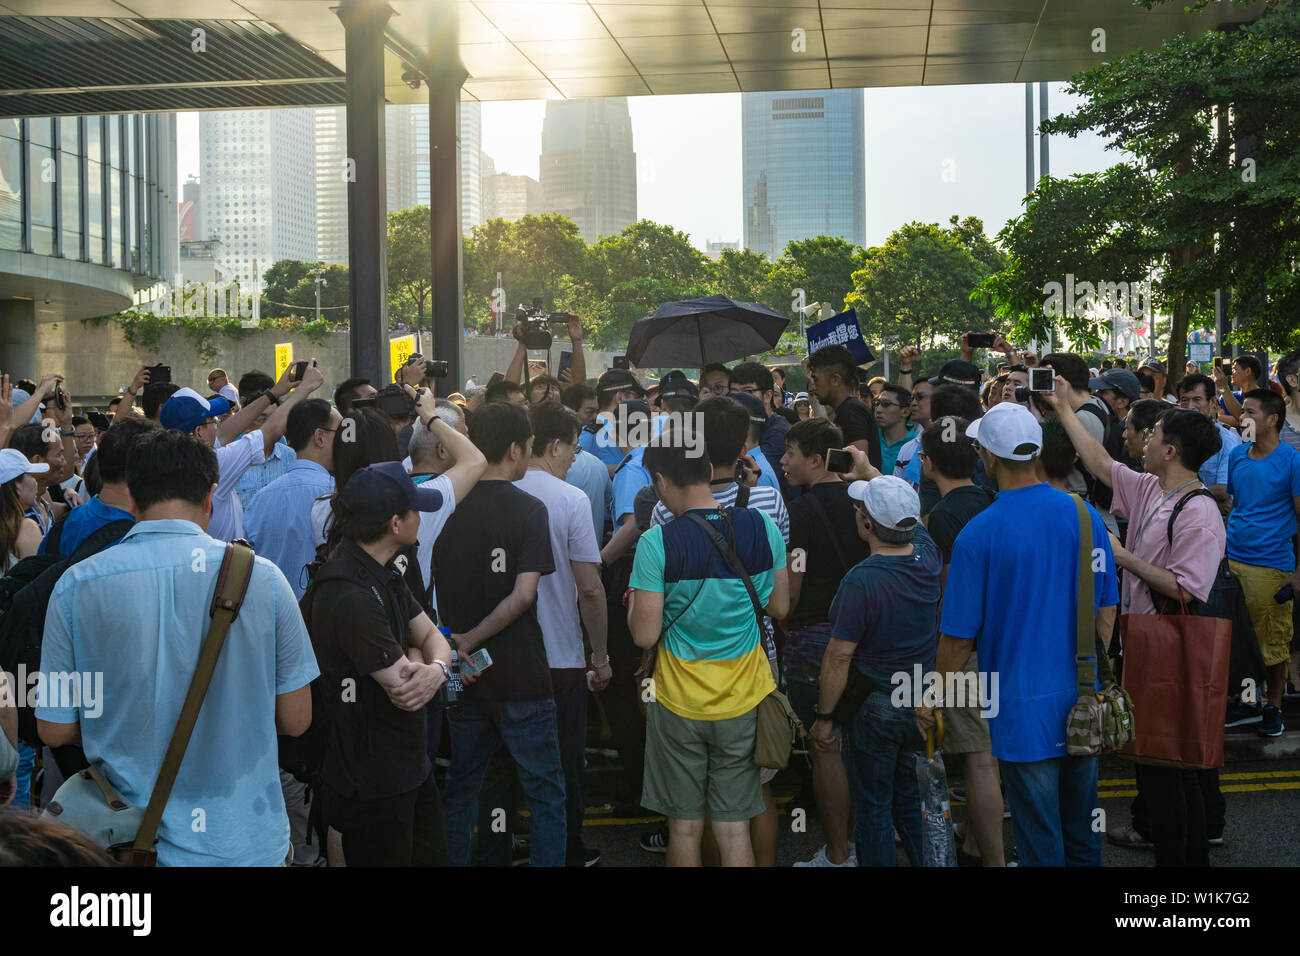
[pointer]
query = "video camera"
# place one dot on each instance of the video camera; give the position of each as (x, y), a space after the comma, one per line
(536, 323)
(391, 401)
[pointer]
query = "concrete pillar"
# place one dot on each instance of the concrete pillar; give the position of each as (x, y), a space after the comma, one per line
(363, 23)
(18, 340)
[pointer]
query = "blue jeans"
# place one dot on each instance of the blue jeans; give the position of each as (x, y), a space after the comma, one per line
(1052, 804)
(23, 779)
(528, 731)
(882, 781)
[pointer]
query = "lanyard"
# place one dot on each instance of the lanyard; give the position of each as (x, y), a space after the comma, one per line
(1128, 584)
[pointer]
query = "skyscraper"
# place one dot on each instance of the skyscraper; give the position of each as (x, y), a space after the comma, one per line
(588, 165)
(256, 199)
(804, 156)
(510, 197)
(331, 186)
(471, 164)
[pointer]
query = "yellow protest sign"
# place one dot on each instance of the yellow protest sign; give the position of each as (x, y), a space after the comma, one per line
(283, 358)
(399, 350)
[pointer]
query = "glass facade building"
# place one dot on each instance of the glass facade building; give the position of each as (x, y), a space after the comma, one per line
(91, 189)
(804, 156)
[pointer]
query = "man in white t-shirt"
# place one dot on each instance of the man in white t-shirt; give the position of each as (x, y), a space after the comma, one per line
(188, 412)
(567, 600)
(443, 457)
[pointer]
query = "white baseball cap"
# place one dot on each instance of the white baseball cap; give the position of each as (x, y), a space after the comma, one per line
(230, 393)
(14, 463)
(889, 500)
(1009, 431)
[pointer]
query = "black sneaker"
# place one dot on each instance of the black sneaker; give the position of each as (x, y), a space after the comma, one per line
(1240, 714)
(1271, 724)
(519, 852)
(590, 857)
(656, 840)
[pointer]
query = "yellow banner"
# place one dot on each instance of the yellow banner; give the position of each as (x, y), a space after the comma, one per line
(283, 358)
(399, 350)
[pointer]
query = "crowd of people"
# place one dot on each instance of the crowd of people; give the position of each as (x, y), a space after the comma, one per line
(456, 580)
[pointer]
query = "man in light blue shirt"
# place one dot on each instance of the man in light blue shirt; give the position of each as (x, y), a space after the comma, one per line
(278, 522)
(589, 474)
(260, 474)
(132, 619)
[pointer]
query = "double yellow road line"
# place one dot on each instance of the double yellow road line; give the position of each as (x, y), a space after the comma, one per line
(1228, 782)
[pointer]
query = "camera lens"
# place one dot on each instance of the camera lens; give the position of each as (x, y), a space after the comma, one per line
(1023, 393)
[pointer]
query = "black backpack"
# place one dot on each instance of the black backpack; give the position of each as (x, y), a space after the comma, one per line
(1113, 441)
(24, 597)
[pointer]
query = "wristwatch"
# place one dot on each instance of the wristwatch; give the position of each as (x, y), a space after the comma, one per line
(67, 432)
(270, 395)
(905, 371)
(829, 718)
(443, 664)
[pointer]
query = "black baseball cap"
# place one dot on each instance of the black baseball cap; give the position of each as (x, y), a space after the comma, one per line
(676, 384)
(958, 372)
(750, 402)
(616, 379)
(380, 491)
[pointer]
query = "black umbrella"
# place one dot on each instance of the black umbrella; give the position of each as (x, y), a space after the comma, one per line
(693, 333)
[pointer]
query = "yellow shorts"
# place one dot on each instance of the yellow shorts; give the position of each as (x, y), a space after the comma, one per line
(1272, 620)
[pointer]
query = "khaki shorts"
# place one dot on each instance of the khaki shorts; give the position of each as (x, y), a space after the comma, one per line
(964, 730)
(694, 764)
(1272, 620)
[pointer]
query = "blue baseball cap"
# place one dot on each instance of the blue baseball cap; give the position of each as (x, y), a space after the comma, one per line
(383, 490)
(186, 410)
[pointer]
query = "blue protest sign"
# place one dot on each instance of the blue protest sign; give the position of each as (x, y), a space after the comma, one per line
(843, 330)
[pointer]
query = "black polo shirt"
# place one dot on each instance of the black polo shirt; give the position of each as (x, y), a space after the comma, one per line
(360, 623)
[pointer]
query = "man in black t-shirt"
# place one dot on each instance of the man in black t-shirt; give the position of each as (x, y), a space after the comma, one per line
(824, 545)
(834, 376)
(381, 660)
(948, 459)
(487, 563)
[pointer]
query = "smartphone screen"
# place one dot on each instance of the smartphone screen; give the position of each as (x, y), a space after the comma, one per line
(1042, 380)
(566, 359)
(496, 377)
(980, 340)
(159, 373)
(838, 461)
(298, 369)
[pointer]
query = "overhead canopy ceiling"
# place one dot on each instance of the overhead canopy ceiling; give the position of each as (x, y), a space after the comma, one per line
(99, 56)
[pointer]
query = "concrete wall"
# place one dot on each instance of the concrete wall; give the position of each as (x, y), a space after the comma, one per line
(97, 360)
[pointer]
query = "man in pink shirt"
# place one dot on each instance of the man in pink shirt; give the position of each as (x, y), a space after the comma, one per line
(1177, 808)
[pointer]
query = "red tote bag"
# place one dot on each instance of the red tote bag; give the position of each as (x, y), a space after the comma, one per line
(1176, 671)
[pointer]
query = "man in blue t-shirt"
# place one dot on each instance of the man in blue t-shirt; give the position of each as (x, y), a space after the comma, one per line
(113, 503)
(1013, 586)
(1264, 483)
(882, 628)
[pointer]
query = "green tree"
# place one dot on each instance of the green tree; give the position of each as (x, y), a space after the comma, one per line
(916, 288)
(748, 277)
(645, 250)
(1214, 211)
(278, 283)
(410, 274)
(335, 295)
(822, 266)
(533, 255)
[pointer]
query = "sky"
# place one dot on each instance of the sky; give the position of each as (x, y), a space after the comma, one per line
(689, 159)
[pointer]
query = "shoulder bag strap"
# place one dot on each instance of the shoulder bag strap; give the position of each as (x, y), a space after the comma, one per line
(742, 495)
(232, 585)
(834, 539)
(729, 554)
(1181, 503)
(1085, 628)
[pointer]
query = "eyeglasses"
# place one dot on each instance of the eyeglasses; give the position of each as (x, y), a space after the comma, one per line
(880, 404)
(751, 390)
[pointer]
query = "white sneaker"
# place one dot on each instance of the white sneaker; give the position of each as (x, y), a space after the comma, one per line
(820, 859)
